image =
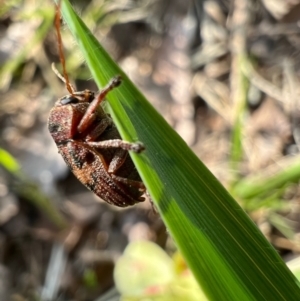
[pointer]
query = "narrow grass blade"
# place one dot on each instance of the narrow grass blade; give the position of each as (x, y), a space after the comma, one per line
(262, 185)
(23, 187)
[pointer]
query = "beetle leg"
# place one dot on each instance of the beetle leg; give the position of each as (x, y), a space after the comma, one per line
(137, 147)
(118, 160)
(137, 184)
(99, 129)
(88, 116)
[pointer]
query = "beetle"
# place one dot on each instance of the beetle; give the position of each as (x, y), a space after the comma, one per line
(90, 143)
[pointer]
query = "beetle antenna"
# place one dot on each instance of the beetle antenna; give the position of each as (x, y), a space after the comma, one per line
(58, 74)
(65, 77)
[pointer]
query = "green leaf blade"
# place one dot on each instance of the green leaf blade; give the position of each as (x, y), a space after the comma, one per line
(228, 255)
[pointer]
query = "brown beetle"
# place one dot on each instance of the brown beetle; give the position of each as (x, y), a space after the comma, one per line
(90, 144)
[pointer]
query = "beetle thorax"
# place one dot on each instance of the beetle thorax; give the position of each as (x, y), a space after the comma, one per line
(64, 119)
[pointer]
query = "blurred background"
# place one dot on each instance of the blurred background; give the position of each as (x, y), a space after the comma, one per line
(223, 73)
